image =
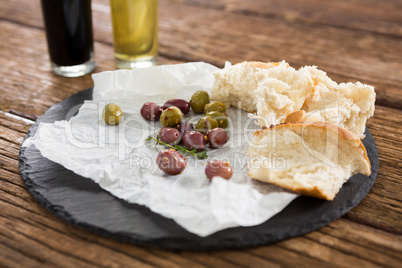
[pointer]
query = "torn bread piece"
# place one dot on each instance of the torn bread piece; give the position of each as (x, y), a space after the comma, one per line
(272, 90)
(348, 105)
(235, 84)
(313, 159)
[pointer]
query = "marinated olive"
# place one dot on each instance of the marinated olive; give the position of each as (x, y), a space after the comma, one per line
(199, 99)
(194, 140)
(218, 168)
(206, 123)
(171, 162)
(220, 117)
(171, 117)
(215, 106)
(111, 114)
(169, 135)
(183, 105)
(184, 127)
(151, 111)
(217, 137)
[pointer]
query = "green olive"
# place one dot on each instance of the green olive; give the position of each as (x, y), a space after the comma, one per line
(111, 114)
(171, 117)
(206, 123)
(199, 99)
(220, 117)
(215, 106)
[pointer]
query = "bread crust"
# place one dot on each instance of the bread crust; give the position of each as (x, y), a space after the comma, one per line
(336, 130)
(313, 192)
(347, 135)
(343, 133)
(261, 65)
(295, 117)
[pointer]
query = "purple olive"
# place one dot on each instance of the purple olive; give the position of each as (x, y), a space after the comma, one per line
(183, 105)
(217, 137)
(218, 168)
(151, 111)
(194, 140)
(171, 162)
(169, 135)
(184, 127)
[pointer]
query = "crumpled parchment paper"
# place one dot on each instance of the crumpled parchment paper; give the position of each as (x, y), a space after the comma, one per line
(123, 163)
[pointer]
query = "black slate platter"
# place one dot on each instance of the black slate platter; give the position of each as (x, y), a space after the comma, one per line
(83, 203)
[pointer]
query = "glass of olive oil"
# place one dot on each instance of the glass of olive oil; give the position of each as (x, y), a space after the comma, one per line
(135, 32)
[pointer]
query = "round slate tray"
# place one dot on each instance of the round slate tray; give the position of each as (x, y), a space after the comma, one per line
(82, 202)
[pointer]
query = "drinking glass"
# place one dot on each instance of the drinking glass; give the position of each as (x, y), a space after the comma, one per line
(135, 32)
(69, 37)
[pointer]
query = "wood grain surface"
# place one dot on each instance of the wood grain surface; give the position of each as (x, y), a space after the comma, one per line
(350, 40)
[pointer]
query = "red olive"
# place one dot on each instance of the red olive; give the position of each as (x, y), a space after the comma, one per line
(218, 168)
(151, 111)
(183, 105)
(194, 140)
(171, 162)
(184, 127)
(217, 137)
(169, 135)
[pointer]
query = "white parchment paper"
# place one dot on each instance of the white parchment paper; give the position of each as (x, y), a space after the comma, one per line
(120, 160)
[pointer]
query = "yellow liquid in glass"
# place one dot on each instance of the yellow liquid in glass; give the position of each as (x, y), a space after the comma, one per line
(135, 29)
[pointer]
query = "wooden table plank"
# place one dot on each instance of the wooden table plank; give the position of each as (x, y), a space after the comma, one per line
(374, 240)
(335, 50)
(372, 16)
(326, 253)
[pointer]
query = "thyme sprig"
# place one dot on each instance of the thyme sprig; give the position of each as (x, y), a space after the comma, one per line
(179, 148)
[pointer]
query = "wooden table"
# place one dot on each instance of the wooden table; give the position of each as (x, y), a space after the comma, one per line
(358, 40)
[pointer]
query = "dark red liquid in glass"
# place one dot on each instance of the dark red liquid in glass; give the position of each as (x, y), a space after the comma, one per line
(69, 30)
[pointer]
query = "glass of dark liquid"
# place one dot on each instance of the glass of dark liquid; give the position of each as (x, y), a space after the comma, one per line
(68, 26)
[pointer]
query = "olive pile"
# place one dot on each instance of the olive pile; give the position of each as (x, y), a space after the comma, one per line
(209, 130)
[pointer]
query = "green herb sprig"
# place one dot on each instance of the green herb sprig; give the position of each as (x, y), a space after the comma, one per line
(184, 150)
